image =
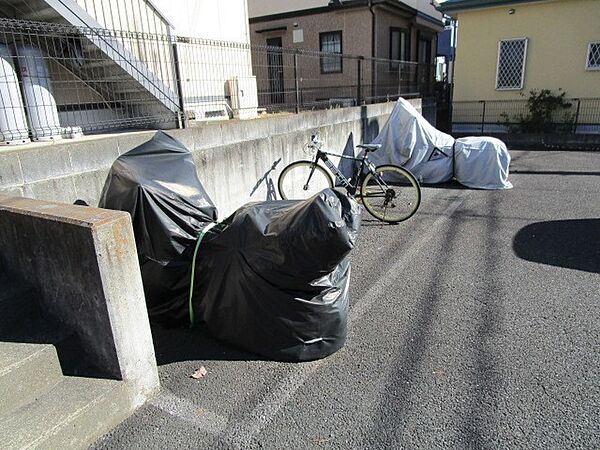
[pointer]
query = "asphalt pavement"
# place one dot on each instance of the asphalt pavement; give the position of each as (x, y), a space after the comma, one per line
(475, 324)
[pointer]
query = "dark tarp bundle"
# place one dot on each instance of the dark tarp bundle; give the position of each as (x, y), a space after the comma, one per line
(272, 278)
(158, 185)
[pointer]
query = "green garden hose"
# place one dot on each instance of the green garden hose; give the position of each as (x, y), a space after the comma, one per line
(205, 230)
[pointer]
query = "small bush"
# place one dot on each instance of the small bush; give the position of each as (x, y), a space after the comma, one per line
(543, 115)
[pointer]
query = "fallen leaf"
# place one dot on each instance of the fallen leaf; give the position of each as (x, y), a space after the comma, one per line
(439, 374)
(199, 373)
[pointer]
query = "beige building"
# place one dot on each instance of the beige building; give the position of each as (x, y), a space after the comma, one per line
(506, 48)
(384, 29)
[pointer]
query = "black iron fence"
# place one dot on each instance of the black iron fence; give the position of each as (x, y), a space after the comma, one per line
(59, 80)
(579, 115)
(294, 80)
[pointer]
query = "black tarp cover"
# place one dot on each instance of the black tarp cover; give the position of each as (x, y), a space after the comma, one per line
(158, 185)
(272, 278)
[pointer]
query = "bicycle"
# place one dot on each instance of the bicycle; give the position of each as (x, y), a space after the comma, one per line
(389, 193)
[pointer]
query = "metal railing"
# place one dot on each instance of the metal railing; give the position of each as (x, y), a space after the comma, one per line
(130, 15)
(581, 115)
(294, 80)
(58, 79)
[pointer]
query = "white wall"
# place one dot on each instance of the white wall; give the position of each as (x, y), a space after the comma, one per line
(223, 20)
(205, 66)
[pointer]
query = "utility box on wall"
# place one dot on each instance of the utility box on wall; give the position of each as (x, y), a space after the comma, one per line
(244, 97)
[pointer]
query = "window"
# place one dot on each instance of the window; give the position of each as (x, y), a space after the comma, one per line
(398, 47)
(424, 51)
(593, 56)
(331, 42)
(511, 64)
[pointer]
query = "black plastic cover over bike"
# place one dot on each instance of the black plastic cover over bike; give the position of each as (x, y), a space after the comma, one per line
(272, 278)
(158, 185)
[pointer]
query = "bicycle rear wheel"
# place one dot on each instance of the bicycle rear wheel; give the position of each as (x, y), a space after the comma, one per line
(391, 193)
(303, 179)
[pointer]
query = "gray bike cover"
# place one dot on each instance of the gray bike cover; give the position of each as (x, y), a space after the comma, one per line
(409, 140)
(271, 278)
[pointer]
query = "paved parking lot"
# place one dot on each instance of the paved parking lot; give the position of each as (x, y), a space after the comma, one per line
(475, 324)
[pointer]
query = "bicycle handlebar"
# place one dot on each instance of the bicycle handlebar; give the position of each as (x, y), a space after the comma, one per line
(315, 142)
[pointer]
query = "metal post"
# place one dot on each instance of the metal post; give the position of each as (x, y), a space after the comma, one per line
(359, 82)
(483, 116)
(575, 122)
(453, 22)
(183, 115)
(296, 83)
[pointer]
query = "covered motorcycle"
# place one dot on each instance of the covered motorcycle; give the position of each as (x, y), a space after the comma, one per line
(271, 278)
(158, 185)
(410, 141)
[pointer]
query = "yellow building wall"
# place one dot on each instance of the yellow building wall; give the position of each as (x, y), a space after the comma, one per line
(559, 33)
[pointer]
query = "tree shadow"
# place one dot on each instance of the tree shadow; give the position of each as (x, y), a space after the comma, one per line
(572, 244)
(479, 413)
(396, 389)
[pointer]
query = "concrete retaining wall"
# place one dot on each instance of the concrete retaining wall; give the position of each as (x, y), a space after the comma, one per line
(238, 161)
(83, 264)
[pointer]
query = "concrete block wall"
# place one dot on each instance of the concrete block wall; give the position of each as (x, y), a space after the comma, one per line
(83, 264)
(238, 161)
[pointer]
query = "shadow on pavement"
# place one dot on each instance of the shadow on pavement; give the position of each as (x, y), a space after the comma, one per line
(554, 172)
(573, 244)
(369, 221)
(452, 184)
(185, 344)
(477, 417)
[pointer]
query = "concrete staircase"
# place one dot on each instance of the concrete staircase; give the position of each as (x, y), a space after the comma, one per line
(50, 396)
(98, 58)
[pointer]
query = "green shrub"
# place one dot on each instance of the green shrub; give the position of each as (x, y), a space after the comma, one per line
(544, 114)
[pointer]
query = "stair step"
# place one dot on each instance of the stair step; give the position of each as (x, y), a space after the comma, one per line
(72, 415)
(41, 14)
(26, 371)
(125, 90)
(102, 66)
(117, 78)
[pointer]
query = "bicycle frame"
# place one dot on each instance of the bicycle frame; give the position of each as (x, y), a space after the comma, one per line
(358, 174)
(388, 192)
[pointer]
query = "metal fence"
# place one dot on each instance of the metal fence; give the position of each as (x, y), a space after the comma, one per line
(294, 80)
(582, 115)
(57, 80)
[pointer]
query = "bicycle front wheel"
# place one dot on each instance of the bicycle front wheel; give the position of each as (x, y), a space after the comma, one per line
(303, 179)
(391, 194)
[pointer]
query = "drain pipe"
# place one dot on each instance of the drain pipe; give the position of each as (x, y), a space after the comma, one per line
(373, 47)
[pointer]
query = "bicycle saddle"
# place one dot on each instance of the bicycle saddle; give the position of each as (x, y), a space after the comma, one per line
(369, 147)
